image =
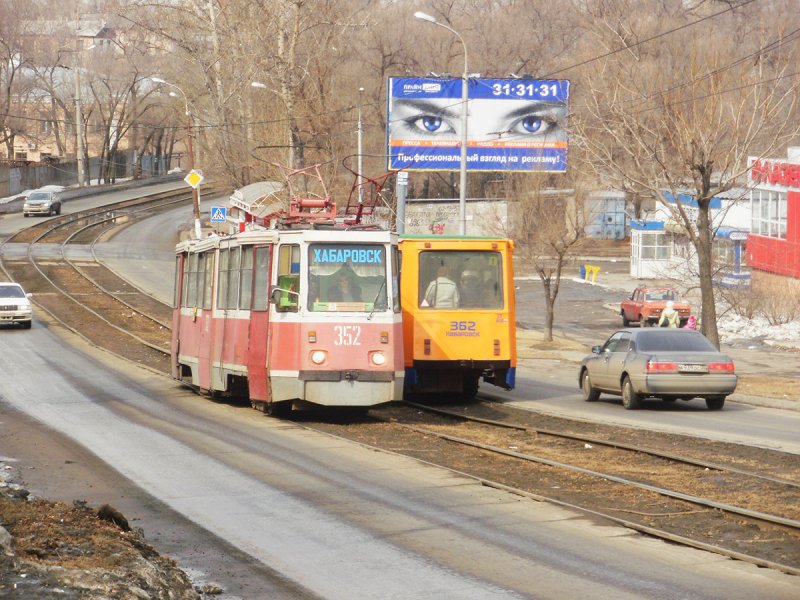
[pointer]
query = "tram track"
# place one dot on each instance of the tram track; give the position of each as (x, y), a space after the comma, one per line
(727, 511)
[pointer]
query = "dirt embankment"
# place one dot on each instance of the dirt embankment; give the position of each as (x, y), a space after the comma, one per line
(53, 550)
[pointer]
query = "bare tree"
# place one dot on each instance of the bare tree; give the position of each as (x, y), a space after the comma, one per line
(547, 223)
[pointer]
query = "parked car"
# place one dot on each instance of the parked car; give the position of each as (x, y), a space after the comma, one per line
(42, 203)
(15, 305)
(670, 364)
(645, 304)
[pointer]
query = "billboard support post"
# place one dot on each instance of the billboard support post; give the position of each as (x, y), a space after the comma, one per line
(462, 186)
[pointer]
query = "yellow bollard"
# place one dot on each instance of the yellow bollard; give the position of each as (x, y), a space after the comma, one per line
(593, 270)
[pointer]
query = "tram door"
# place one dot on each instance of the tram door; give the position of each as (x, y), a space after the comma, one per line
(258, 342)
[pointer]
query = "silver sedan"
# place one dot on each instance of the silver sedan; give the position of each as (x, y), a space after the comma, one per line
(670, 364)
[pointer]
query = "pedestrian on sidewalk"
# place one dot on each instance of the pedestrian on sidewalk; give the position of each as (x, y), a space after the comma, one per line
(669, 316)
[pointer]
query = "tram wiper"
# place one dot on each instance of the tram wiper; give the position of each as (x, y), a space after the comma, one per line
(375, 300)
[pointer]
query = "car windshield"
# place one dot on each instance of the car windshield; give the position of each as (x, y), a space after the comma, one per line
(39, 196)
(673, 341)
(662, 296)
(11, 291)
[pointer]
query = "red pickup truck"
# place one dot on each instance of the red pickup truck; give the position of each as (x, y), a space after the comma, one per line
(645, 304)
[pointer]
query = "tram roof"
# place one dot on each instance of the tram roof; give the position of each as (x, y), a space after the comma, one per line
(452, 238)
(271, 236)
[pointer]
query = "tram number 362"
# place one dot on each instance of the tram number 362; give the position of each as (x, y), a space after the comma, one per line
(462, 325)
(347, 335)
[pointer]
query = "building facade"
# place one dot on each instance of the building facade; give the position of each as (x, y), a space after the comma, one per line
(773, 245)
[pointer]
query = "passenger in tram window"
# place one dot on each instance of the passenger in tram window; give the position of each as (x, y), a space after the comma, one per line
(344, 290)
(471, 289)
(442, 292)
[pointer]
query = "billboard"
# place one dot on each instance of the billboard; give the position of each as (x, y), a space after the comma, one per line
(512, 124)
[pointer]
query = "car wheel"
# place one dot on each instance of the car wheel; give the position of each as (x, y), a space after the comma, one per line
(625, 321)
(26, 215)
(589, 393)
(630, 399)
(58, 210)
(26, 325)
(642, 321)
(715, 402)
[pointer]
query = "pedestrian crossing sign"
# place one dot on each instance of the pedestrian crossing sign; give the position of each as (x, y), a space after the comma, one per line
(218, 214)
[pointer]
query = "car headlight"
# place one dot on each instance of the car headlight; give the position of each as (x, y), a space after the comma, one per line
(318, 357)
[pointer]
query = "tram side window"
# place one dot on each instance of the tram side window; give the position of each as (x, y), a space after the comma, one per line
(261, 279)
(208, 285)
(181, 275)
(191, 292)
(288, 277)
(222, 287)
(246, 278)
(396, 258)
(234, 264)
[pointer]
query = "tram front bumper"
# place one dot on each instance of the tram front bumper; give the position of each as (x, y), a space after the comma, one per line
(340, 388)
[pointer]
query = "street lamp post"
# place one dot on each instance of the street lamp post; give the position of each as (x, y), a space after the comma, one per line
(462, 191)
(190, 148)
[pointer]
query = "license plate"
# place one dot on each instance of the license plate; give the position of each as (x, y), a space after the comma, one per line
(693, 368)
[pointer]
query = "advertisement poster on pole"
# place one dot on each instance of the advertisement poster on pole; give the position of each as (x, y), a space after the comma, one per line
(512, 124)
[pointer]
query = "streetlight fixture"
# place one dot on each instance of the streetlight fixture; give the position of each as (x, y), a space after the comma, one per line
(190, 144)
(462, 191)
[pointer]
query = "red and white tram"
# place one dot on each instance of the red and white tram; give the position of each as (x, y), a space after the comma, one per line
(304, 314)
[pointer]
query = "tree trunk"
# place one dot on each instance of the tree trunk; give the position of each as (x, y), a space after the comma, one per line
(708, 316)
(549, 306)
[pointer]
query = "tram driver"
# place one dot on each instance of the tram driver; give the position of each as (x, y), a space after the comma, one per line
(344, 290)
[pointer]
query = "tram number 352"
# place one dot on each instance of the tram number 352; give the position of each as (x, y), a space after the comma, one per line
(347, 335)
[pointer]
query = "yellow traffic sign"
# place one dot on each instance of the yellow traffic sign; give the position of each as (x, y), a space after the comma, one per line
(194, 178)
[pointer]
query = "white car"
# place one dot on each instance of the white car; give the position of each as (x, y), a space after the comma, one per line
(42, 203)
(15, 304)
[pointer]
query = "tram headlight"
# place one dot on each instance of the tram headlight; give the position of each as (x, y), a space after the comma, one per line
(378, 358)
(318, 357)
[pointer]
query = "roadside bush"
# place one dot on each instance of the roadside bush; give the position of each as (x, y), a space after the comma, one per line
(778, 303)
(742, 300)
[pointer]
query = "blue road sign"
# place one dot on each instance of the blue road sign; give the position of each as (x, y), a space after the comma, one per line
(218, 214)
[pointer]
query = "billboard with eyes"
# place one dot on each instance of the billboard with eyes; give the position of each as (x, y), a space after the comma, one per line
(511, 124)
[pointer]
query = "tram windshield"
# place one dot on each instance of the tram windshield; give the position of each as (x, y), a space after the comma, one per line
(451, 279)
(347, 278)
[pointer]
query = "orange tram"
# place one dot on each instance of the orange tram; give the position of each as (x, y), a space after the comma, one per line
(459, 329)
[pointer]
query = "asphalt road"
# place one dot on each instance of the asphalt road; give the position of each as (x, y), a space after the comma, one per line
(267, 509)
